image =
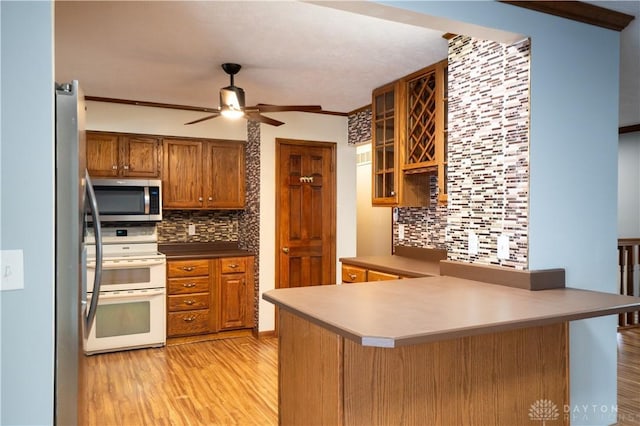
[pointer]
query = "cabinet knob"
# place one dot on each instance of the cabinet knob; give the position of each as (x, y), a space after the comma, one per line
(189, 302)
(210, 198)
(114, 167)
(352, 276)
(200, 199)
(188, 268)
(233, 266)
(285, 250)
(189, 319)
(189, 285)
(126, 167)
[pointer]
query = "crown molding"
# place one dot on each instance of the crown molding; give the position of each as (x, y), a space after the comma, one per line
(579, 11)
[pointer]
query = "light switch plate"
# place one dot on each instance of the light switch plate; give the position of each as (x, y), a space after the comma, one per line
(473, 244)
(401, 232)
(11, 270)
(192, 229)
(503, 247)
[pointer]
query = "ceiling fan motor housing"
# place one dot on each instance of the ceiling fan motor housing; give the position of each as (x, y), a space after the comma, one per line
(232, 97)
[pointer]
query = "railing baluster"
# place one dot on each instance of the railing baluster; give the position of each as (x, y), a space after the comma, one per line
(628, 260)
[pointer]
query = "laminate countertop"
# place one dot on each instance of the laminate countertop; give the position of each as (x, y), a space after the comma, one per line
(177, 251)
(419, 310)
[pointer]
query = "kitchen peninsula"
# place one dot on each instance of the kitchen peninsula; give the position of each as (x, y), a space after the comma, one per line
(432, 350)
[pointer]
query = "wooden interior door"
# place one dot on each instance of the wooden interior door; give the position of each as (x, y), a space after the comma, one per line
(306, 213)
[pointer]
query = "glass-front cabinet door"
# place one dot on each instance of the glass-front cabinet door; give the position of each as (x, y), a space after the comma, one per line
(383, 138)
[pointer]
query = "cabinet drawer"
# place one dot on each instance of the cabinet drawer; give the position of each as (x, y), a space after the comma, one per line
(380, 276)
(231, 265)
(353, 274)
(186, 302)
(188, 322)
(187, 268)
(188, 285)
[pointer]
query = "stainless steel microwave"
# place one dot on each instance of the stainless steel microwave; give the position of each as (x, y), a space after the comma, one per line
(128, 200)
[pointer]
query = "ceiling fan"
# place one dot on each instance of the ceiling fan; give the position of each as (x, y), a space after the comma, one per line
(232, 103)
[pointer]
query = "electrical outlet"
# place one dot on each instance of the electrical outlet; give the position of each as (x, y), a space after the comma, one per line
(192, 229)
(401, 232)
(474, 244)
(503, 247)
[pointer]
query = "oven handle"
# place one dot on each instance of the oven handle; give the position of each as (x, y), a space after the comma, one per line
(128, 295)
(126, 265)
(97, 229)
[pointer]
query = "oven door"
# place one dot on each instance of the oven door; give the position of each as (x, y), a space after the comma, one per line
(123, 274)
(127, 320)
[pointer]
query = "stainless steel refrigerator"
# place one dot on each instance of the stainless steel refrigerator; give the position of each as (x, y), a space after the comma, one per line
(74, 197)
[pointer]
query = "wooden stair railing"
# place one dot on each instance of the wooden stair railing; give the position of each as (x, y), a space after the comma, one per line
(628, 262)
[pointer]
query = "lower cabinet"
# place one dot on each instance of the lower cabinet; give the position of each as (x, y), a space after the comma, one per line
(209, 295)
(356, 274)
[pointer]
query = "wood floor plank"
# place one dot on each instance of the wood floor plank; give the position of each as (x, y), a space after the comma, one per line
(234, 382)
(223, 382)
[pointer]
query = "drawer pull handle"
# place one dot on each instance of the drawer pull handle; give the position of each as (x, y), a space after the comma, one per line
(353, 276)
(189, 285)
(188, 268)
(233, 266)
(190, 319)
(189, 302)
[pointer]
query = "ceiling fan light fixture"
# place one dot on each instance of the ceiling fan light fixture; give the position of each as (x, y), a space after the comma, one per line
(232, 102)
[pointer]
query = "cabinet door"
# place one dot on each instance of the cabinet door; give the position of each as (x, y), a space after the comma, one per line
(224, 175)
(233, 301)
(102, 154)
(383, 150)
(381, 276)
(140, 156)
(182, 174)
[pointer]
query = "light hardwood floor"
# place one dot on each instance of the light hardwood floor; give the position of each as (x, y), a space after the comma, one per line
(234, 382)
(221, 382)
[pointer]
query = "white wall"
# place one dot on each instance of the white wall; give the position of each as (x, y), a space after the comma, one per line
(629, 185)
(313, 127)
(373, 223)
(27, 201)
(125, 118)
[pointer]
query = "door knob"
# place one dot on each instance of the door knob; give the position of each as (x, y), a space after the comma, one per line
(285, 250)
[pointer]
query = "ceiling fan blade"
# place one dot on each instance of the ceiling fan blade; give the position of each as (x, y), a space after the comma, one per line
(208, 117)
(256, 116)
(278, 108)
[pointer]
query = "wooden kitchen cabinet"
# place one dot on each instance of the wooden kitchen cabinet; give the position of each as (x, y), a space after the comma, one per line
(190, 298)
(409, 138)
(207, 296)
(236, 293)
(123, 155)
(203, 174)
(356, 274)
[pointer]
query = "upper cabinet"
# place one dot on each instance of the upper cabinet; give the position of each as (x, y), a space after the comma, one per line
(409, 138)
(203, 174)
(123, 155)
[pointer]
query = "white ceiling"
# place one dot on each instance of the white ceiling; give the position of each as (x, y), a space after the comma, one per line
(292, 53)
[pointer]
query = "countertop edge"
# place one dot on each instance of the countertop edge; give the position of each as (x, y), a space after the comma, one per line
(391, 341)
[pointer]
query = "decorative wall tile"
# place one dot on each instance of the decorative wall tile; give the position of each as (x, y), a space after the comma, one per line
(359, 125)
(220, 225)
(488, 149)
(249, 220)
(423, 226)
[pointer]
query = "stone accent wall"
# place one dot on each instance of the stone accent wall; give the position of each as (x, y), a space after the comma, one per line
(359, 125)
(249, 220)
(423, 226)
(488, 150)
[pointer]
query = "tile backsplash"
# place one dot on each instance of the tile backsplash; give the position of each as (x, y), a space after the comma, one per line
(213, 225)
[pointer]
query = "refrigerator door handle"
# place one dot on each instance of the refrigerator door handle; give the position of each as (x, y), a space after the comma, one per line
(93, 205)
